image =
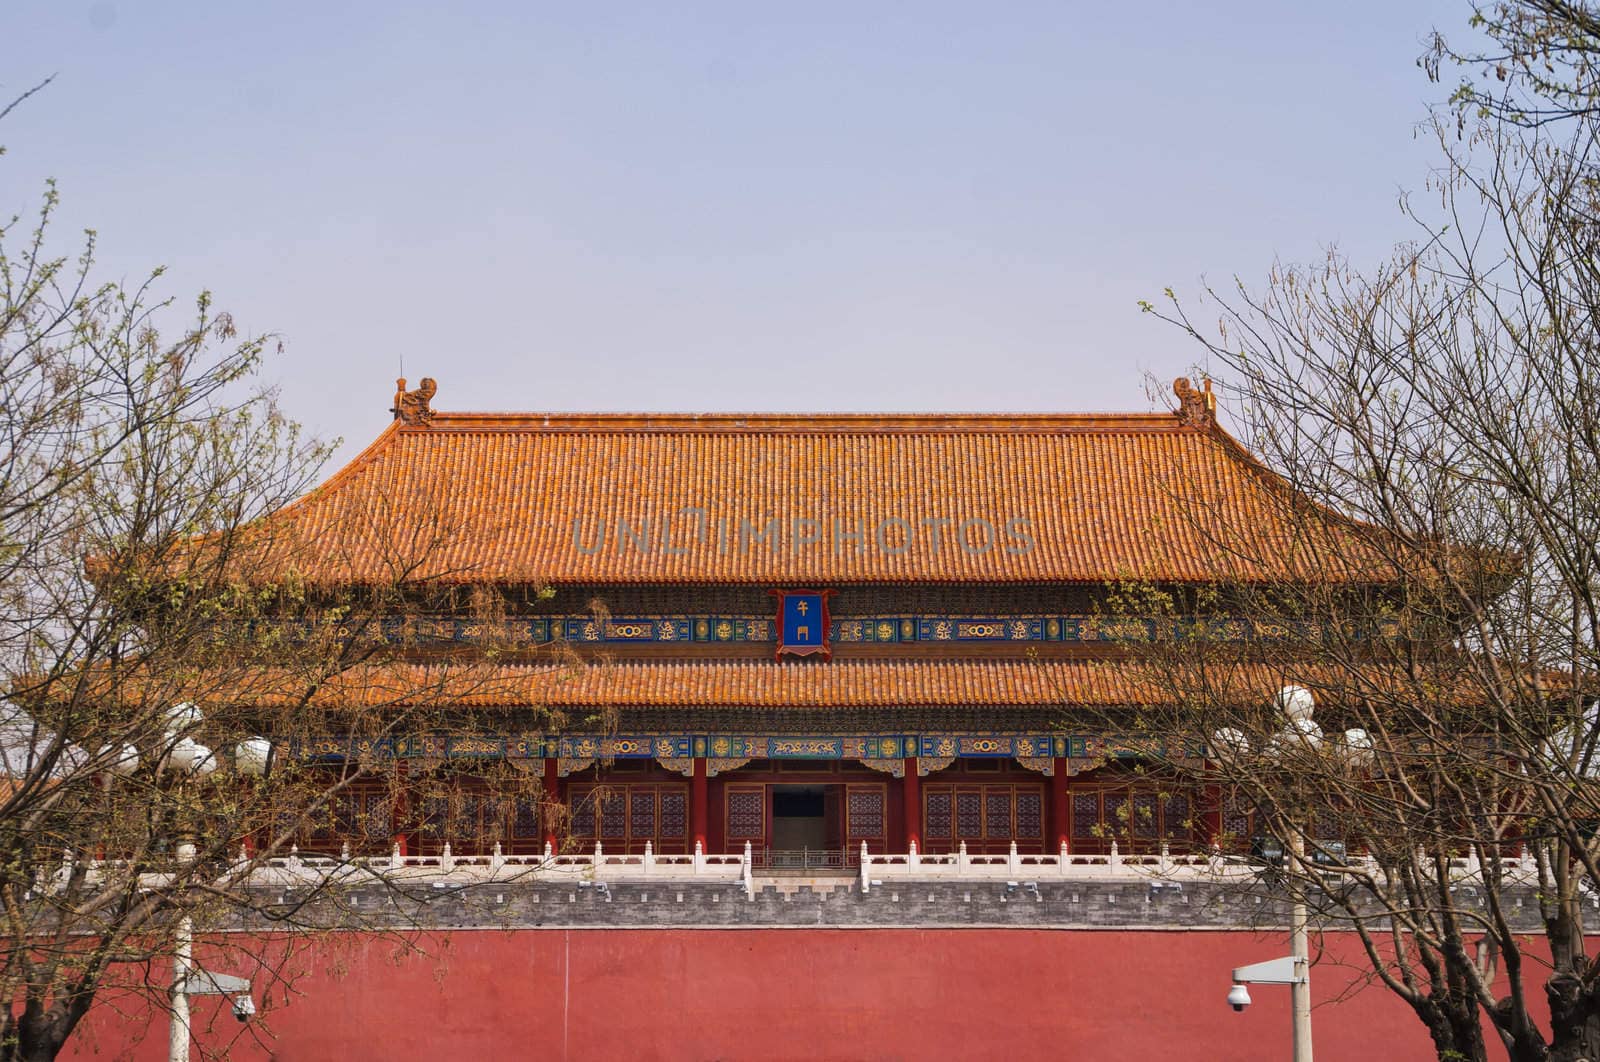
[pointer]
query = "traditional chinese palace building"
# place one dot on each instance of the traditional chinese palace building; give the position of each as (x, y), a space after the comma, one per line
(804, 633)
(622, 636)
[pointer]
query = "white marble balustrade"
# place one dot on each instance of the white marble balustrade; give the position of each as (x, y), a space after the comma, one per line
(598, 867)
(877, 869)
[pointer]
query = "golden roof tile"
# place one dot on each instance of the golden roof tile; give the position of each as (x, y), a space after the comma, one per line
(736, 684)
(797, 499)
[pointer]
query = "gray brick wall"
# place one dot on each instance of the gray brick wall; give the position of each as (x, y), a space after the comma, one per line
(1055, 905)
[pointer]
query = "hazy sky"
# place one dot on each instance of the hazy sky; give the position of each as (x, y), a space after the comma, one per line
(862, 206)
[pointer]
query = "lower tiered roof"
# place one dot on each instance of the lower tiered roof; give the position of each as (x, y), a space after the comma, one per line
(782, 685)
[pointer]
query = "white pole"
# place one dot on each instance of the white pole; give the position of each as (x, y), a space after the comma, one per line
(182, 956)
(1300, 991)
(178, 1031)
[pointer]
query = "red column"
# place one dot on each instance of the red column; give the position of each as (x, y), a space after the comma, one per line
(697, 803)
(913, 805)
(1060, 822)
(248, 842)
(1213, 816)
(552, 800)
(401, 807)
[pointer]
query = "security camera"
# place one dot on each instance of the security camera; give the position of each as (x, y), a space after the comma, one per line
(1238, 997)
(244, 1008)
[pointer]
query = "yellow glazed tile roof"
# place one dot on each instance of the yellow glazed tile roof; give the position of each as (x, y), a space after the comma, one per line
(742, 684)
(780, 499)
(763, 685)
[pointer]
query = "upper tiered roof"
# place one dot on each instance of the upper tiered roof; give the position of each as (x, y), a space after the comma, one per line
(802, 499)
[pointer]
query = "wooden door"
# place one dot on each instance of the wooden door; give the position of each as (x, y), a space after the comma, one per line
(746, 817)
(866, 818)
(832, 823)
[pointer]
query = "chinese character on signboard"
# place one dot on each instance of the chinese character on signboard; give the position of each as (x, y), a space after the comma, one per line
(803, 622)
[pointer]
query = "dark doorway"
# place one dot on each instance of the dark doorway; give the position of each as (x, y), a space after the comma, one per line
(804, 822)
(797, 801)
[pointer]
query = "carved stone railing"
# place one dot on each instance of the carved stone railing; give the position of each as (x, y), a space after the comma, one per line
(1114, 866)
(295, 870)
(596, 867)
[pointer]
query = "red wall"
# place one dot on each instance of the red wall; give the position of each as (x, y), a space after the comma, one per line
(786, 994)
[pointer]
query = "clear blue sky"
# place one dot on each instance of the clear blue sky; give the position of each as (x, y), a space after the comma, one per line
(828, 206)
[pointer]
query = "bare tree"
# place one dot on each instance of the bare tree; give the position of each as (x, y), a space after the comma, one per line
(147, 565)
(1528, 62)
(1436, 426)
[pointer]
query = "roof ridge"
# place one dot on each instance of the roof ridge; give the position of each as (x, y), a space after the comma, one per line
(963, 663)
(754, 423)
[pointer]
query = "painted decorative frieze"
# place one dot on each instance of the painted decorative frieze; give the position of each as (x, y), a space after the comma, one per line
(728, 751)
(535, 631)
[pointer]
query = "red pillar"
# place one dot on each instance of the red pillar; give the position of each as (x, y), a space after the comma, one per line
(1060, 821)
(697, 803)
(552, 801)
(400, 807)
(1213, 816)
(913, 805)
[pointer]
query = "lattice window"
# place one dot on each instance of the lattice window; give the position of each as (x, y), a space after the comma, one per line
(583, 816)
(493, 820)
(969, 815)
(613, 820)
(1176, 818)
(525, 817)
(344, 813)
(361, 816)
(642, 813)
(633, 815)
(435, 817)
(468, 818)
(997, 813)
(747, 814)
(866, 813)
(1236, 820)
(1030, 814)
(1138, 819)
(1115, 815)
(937, 821)
(987, 817)
(375, 815)
(1146, 815)
(466, 821)
(1085, 815)
(674, 813)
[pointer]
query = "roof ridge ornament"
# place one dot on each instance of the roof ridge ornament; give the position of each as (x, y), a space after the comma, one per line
(1197, 409)
(411, 407)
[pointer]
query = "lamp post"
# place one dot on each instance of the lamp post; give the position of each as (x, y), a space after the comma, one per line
(1300, 735)
(194, 759)
(182, 963)
(1299, 952)
(1294, 970)
(1298, 704)
(189, 757)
